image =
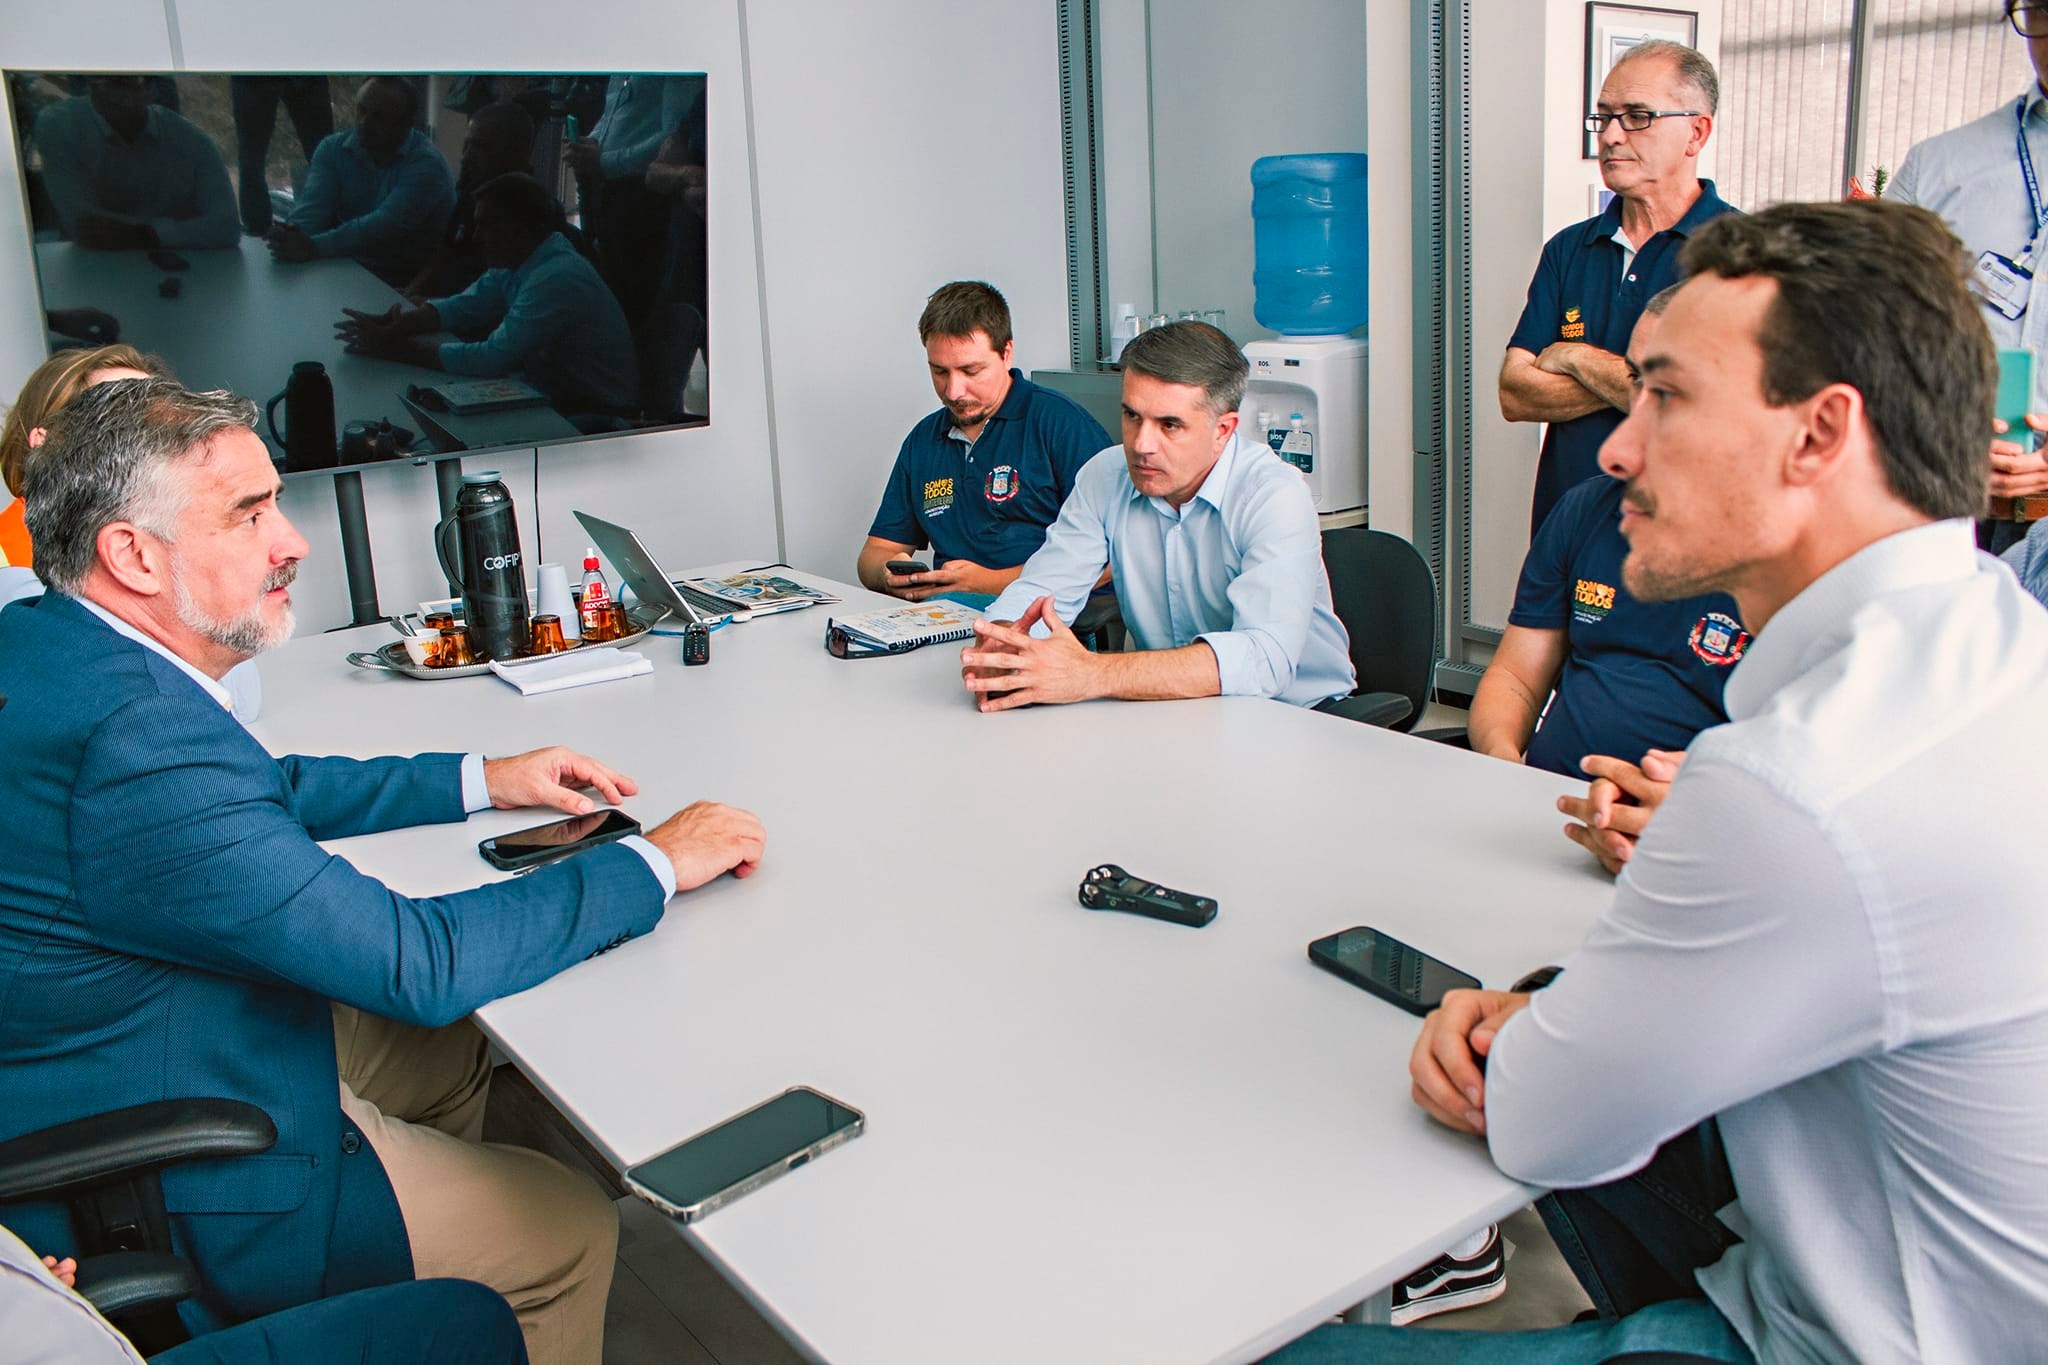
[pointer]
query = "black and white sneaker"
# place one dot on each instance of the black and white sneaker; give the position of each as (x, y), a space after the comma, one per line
(1449, 1283)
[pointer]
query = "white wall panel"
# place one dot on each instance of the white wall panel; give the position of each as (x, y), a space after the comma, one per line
(901, 145)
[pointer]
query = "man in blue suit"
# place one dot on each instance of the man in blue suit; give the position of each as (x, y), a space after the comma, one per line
(170, 927)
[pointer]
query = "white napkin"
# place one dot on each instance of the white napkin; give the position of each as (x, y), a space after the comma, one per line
(578, 668)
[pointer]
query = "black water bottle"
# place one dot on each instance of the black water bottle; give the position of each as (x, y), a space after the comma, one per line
(485, 561)
(308, 435)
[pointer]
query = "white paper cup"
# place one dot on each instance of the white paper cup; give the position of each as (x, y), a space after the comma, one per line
(551, 591)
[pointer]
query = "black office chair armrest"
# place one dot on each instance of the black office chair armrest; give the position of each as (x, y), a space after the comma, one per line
(56, 1162)
(122, 1281)
(1384, 709)
(1455, 737)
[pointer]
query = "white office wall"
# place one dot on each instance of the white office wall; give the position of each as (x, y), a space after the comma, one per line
(1124, 94)
(1508, 175)
(1390, 191)
(1192, 92)
(901, 145)
(1231, 83)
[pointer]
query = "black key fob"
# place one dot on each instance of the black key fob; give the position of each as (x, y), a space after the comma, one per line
(696, 643)
(1109, 887)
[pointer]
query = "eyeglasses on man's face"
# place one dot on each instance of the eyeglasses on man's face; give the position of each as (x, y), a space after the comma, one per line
(2029, 17)
(1635, 120)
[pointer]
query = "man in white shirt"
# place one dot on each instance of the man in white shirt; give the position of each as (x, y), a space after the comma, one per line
(1986, 180)
(1831, 938)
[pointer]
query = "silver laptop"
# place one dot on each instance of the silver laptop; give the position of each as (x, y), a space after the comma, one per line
(646, 578)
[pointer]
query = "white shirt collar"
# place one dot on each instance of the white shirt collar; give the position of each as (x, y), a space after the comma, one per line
(214, 687)
(1825, 610)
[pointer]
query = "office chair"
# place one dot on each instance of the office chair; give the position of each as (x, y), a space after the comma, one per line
(1385, 595)
(106, 1169)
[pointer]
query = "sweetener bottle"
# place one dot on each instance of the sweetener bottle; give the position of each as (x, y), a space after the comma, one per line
(597, 598)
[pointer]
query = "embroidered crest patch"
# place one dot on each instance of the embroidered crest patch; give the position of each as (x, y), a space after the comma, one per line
(1719, 640)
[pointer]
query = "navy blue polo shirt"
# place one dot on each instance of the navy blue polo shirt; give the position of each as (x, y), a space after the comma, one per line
(1639, 675)
(989, 504)
(1581, 293)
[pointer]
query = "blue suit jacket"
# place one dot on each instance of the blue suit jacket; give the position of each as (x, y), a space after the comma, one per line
(169, 927)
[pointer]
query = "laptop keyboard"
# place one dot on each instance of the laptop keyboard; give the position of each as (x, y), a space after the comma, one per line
(704, 601)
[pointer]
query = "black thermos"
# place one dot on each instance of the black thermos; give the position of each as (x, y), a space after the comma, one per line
(485, 561)
(308, 436)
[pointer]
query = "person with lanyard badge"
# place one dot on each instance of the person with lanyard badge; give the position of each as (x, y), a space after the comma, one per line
(1984, 179)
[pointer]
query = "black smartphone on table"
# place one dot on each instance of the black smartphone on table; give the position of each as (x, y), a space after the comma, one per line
(528, 848)
(744, 1152)
(1389, 968)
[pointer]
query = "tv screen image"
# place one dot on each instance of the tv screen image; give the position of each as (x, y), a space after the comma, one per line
(394, 265)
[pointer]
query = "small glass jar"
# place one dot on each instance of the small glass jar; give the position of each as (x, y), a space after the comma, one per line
(455, 650)
(547, 635)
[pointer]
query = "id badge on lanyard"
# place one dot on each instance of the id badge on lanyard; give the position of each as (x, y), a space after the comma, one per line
(2003, 283)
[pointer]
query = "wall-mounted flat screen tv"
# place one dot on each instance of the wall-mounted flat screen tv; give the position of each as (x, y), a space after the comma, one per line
(473, 260)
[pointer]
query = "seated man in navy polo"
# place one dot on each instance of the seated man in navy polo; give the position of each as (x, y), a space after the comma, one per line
(982, 478)
(1563, 364)
(1629, 676)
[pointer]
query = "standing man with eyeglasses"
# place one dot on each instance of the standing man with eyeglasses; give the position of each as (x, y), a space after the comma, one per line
(1564, 363)
(1989, 181)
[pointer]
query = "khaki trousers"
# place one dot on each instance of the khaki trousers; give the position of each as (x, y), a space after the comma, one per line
(510, 1218)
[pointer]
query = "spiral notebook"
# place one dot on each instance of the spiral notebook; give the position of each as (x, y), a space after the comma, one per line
(900, 628)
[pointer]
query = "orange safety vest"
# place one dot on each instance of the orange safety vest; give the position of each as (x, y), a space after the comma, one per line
(14, 543)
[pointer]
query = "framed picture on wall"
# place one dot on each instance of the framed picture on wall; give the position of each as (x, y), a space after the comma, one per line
(1612, 31)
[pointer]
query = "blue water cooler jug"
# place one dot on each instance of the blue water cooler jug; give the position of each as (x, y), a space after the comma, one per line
(1309, 243)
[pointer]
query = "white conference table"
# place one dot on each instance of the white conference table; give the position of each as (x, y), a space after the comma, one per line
(1091, 1137)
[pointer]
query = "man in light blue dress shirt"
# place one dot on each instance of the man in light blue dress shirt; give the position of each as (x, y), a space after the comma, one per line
(2029, 559)
(1976, 178)
(379, 192)
(1216, 550)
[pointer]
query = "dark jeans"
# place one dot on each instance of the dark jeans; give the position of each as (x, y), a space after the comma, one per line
(1998, 536)
(254, 102)
(1637, 1240)
(420, 1322)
